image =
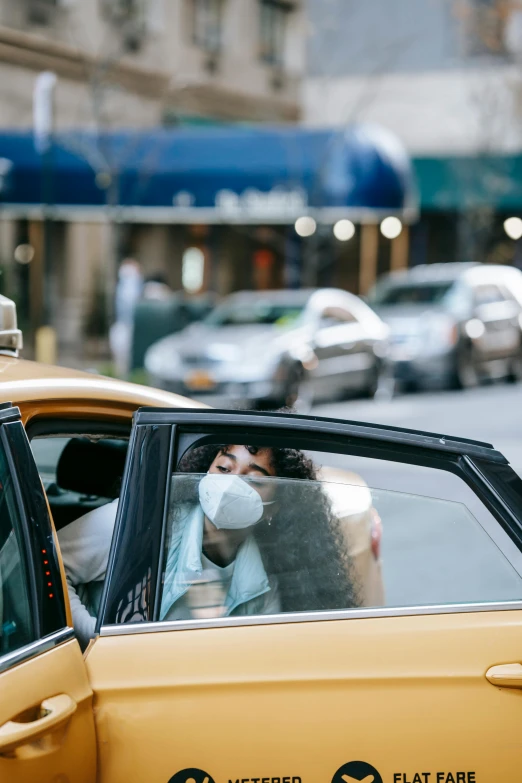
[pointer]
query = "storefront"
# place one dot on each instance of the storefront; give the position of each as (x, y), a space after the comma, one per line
(470, 209)
(211, 209)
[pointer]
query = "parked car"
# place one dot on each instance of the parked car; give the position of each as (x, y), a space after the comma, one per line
(157, 318)
(452, 324)
(264, 348)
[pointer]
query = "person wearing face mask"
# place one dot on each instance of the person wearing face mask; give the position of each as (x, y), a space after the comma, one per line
(235, 544)
(213, 564)
(271, 547)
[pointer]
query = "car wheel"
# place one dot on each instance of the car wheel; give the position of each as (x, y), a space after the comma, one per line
(293, 385)
(466, 375)
(382, 384)
(515, 368)
(290, 395)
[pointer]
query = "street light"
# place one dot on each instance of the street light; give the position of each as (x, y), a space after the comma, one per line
(24, 253)
(305, 226)
(391, 227)
(513, 227)
(344, 230)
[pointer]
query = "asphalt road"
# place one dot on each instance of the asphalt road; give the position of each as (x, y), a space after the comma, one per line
(435, 551)
(489, 413)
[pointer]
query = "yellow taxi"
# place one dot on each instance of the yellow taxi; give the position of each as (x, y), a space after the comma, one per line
(276, 663)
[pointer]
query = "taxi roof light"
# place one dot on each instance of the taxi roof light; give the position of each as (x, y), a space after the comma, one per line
(10, 336)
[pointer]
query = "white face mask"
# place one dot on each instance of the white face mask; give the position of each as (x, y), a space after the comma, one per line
(229, 502)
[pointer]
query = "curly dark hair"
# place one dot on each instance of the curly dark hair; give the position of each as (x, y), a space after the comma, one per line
(302, 546)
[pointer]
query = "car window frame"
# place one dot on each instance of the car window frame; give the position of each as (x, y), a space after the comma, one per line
(50, 619)
(182, 429)
(44, 426)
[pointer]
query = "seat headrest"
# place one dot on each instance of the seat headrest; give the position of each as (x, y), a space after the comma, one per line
(92, 467)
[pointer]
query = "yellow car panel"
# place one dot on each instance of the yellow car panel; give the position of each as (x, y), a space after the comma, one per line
(66, 749)
(43, 390)
(300, 700)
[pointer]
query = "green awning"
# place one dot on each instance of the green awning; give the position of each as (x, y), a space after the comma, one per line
(460, 183)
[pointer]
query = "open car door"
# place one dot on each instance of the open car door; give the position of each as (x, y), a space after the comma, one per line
(277, 669)
(46, 720)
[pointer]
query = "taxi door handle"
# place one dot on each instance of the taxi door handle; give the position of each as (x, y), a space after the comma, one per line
(53, 711)
(507, 675)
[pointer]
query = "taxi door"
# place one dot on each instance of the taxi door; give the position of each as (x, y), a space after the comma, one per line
(289, 684)
(46, 719)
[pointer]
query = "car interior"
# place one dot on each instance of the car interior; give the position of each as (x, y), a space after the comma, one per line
(80, 472)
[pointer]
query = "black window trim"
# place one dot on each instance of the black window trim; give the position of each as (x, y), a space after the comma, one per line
(36, 532)
(187, 428)
(35, 518)
(27, 552)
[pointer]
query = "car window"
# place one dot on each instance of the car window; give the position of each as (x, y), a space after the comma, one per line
(17, 626)
(488, 294)
(255, 312)
(323, 545)
(79, 473)
(247, 530)
(331, 316)
(507, 294)
(46, 453)
(388, 293)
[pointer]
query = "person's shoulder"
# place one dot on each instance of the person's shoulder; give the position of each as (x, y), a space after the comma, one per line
(184, 510)
(95, 522)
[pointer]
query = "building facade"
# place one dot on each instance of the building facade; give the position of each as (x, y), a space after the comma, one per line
(446, 77)
(138, 63)
(131, 64)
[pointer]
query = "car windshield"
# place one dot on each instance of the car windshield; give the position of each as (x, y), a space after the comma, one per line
(412, 293)
(260, 311)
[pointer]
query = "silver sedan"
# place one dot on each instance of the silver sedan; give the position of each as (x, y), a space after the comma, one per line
(269, 348)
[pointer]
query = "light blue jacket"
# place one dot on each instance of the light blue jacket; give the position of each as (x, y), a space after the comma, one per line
(251, 590)
(85, 545)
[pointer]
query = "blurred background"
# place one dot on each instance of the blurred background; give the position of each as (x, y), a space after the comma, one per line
(270, 202)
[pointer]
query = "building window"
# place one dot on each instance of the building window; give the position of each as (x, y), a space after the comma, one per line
(207, 23)
(486, 26)
(273, 20)
(41, 12)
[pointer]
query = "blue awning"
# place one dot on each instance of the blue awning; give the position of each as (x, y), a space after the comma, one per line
(232, 173)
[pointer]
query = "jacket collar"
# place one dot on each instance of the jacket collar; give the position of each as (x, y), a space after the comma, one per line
(249, 579)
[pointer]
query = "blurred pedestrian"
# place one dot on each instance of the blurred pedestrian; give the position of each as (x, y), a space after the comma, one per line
(129, 289)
